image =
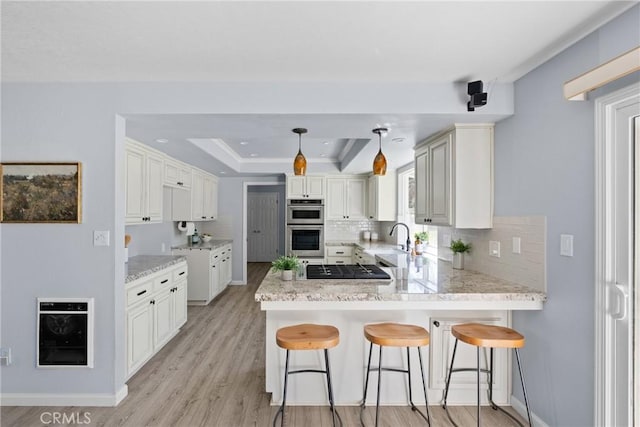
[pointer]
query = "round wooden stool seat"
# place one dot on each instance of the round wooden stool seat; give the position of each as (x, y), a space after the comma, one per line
(396, 335)
(307, 337)
(487, 335)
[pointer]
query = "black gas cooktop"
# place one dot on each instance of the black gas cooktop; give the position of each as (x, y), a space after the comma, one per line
(347, 271)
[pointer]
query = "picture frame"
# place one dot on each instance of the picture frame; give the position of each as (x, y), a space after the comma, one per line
(41, 192)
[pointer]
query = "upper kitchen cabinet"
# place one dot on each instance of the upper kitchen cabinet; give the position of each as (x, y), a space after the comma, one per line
(346, 198)
(382, 200)
(305, 187)
(143, 184)
(200, 203)
(454, 177)
(176, 174)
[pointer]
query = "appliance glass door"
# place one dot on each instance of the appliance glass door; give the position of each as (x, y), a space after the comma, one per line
(306, 240)
(63, 339)
(305, 215)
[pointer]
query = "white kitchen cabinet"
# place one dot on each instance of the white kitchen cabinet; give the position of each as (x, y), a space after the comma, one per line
(200, 203)
(210, 272)
(454, 177)
(176, 173)
(463, 384)
(382, 199)
(156, 309)
(143, 184)
(361, 257)
(346, 198)
(305, 187)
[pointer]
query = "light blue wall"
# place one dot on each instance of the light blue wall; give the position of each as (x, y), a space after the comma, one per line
(544, 165)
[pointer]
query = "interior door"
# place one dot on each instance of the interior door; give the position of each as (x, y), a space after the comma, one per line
(262, 223)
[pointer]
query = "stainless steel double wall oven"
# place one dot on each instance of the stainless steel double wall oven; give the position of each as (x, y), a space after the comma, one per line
(305, 227)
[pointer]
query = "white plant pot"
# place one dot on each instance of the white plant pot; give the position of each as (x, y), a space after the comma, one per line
(287, 275)
(458, 260)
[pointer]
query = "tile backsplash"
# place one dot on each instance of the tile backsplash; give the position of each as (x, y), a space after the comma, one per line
(526, 268)
(350, 231)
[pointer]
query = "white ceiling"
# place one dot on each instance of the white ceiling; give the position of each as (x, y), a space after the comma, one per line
(306, 41)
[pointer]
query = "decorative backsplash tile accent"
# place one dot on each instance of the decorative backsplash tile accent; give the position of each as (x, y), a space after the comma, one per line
(526, 268)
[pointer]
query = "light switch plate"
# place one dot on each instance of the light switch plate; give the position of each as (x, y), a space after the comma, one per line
(100, 238)
(566, 244)
(494, 248)
(515, 244)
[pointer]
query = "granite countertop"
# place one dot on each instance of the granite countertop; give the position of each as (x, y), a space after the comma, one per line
(421, 279)
(367, 246)
(210, 245)
(144, 265)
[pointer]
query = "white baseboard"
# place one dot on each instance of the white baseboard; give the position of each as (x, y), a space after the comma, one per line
(522, 411)
(238, 282)
(50, 399)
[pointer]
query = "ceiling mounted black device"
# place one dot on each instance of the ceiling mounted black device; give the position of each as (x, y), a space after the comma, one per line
(478, 97)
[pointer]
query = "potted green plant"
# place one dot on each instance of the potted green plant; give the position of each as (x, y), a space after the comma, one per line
(421, 238)
(287, 265)
(458, 247)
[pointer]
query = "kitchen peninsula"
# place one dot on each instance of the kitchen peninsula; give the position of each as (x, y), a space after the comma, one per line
(422, 291)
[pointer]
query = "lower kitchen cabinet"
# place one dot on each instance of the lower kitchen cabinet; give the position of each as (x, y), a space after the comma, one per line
(463, 384)
(156, 309)
(210, 271)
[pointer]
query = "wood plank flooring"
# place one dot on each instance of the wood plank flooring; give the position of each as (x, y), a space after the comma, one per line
(212, 374)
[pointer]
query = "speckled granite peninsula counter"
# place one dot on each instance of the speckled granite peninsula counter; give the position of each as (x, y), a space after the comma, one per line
(422, 291)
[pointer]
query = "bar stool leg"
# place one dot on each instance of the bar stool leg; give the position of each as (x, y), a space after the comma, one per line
(413, 407)
(284, 393)
(493, 405)
(478, 382)
(446, 389)
(424, 386)
(524, 390)
(330, 388)
(379, 382)
(366, 384)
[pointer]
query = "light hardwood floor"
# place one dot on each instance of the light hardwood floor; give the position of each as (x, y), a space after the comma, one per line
(212, 374)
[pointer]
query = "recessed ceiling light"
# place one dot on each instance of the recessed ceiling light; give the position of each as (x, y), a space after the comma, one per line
(323, 155)
(244, 143)
(398, 140)
(162, 140)
(222, 172)
(326, 143)
(253, 155)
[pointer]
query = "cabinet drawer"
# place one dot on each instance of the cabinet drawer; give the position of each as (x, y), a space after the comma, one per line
(340, 251)
(139, 292)
(162, 281)
(180, 273)
(339, 260)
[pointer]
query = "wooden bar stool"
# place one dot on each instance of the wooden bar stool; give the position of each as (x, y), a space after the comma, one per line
(308, 337)
(396, 335)
(491, 336)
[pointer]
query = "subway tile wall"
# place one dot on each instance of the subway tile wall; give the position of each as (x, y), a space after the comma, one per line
(527, 268)
(350, 231)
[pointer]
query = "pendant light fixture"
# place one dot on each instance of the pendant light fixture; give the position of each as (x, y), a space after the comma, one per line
(380, 162)
(300, 163)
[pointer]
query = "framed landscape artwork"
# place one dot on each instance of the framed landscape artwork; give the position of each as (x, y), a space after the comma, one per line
(41, 192)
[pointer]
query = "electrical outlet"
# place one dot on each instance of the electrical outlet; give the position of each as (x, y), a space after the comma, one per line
(100, 238)
(494, 248)
(5, 356)
(163, 247)
(566, 244)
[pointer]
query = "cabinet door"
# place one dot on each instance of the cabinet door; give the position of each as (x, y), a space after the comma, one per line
(134, 185)
(139, 335)
(180, 304)
(171, 172)
(154, 187)
(464, 383)
(296, 187)
(356, 201)
(315, 187)
(336, 197)
(372, 199)
(197, 197)
(210, 198)
(214, 277)
(184, 175)
(421, 213)
(439, 200)
(162, 318)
